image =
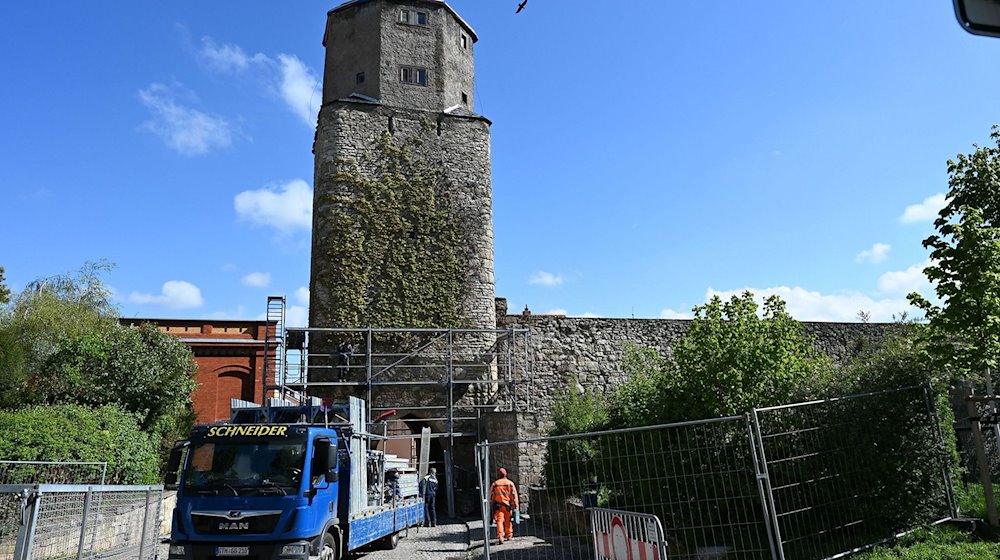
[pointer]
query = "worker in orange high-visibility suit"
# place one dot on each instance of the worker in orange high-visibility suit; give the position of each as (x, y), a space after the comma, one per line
(503, 495)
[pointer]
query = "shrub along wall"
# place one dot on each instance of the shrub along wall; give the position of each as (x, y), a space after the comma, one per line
(78, 433)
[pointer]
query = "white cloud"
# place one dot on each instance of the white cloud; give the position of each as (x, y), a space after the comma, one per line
(257, 279)
(543, 278)
(302, 295)
(174, 293)
(286, 209)
(227, 57)
(807, 305)
(905, 281)
(588, 315)
(671, 314)
(556, 311)
(299, 88)
(296, 316)
(925, 211)
(284, 74)
(878, 253)
(185, 130)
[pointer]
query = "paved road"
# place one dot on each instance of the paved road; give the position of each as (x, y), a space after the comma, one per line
(531, 542)
(447, 541)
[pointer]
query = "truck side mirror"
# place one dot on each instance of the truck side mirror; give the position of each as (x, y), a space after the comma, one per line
(174, 464)
(326, 460)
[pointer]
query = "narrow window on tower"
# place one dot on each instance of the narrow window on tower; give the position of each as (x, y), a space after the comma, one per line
(465, 99)
(465, 41)
(359, 78)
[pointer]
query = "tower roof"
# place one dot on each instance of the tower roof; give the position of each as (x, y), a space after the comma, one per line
(472, 32)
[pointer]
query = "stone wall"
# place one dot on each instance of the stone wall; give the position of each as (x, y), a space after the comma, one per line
(457, 144)
(587, 352)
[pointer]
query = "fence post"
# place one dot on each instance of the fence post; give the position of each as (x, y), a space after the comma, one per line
(145, 522)
(83, 526)
(482, 470)
(764, 484)
(985, 476)
(29, 520)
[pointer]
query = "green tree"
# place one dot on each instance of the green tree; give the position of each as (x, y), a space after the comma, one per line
(4, 290)
(62, 343)
(732, 359)
(50, 309)
(140, 368)
(964, 330)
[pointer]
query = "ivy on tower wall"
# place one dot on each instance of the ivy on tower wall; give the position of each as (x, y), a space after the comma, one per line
(393, 260)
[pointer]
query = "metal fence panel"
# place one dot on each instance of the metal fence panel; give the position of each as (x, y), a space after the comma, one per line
(698, 478)
(808, 481)
(82, 522)
(848, 473)
(10, 521)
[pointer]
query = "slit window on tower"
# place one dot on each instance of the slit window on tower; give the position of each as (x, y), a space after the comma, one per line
(411, 75)
(359, 78)
(465, 98)
(465, 41)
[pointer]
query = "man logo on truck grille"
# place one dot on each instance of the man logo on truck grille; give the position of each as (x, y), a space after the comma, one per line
(234, 526)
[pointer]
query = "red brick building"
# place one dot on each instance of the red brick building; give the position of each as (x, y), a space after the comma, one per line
(230, 357)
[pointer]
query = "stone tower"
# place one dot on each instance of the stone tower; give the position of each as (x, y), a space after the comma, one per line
(402, 70)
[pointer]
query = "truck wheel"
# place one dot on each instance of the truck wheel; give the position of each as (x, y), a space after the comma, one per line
(391, 542)
(329, 550)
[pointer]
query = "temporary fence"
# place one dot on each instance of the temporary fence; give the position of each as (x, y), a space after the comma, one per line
(981, 419)
(52, 472)
(805, 481)
(47, 521)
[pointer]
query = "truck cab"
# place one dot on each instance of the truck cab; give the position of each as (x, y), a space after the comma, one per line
(269, 491)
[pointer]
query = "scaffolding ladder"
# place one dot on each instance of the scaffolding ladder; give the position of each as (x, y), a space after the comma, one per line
(274, 349)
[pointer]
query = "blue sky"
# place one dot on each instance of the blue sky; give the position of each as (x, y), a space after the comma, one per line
(646, 154)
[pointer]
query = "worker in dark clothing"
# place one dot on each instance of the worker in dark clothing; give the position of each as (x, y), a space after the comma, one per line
(344, 352)
(428, 491)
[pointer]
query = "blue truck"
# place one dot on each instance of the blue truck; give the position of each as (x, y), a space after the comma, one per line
(286, 482)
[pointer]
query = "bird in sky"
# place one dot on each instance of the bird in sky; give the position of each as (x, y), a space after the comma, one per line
(521, 6)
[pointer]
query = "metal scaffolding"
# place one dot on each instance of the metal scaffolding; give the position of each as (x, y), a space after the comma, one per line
(472, 370)
(446, 376)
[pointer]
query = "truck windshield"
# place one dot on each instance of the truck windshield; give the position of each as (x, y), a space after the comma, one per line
(247, 467)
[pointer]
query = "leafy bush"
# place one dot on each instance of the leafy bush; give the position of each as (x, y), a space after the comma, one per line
(936, 544)
(574, 413)
(78, 433)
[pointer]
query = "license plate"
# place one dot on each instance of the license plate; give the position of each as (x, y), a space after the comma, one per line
(232, 551)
